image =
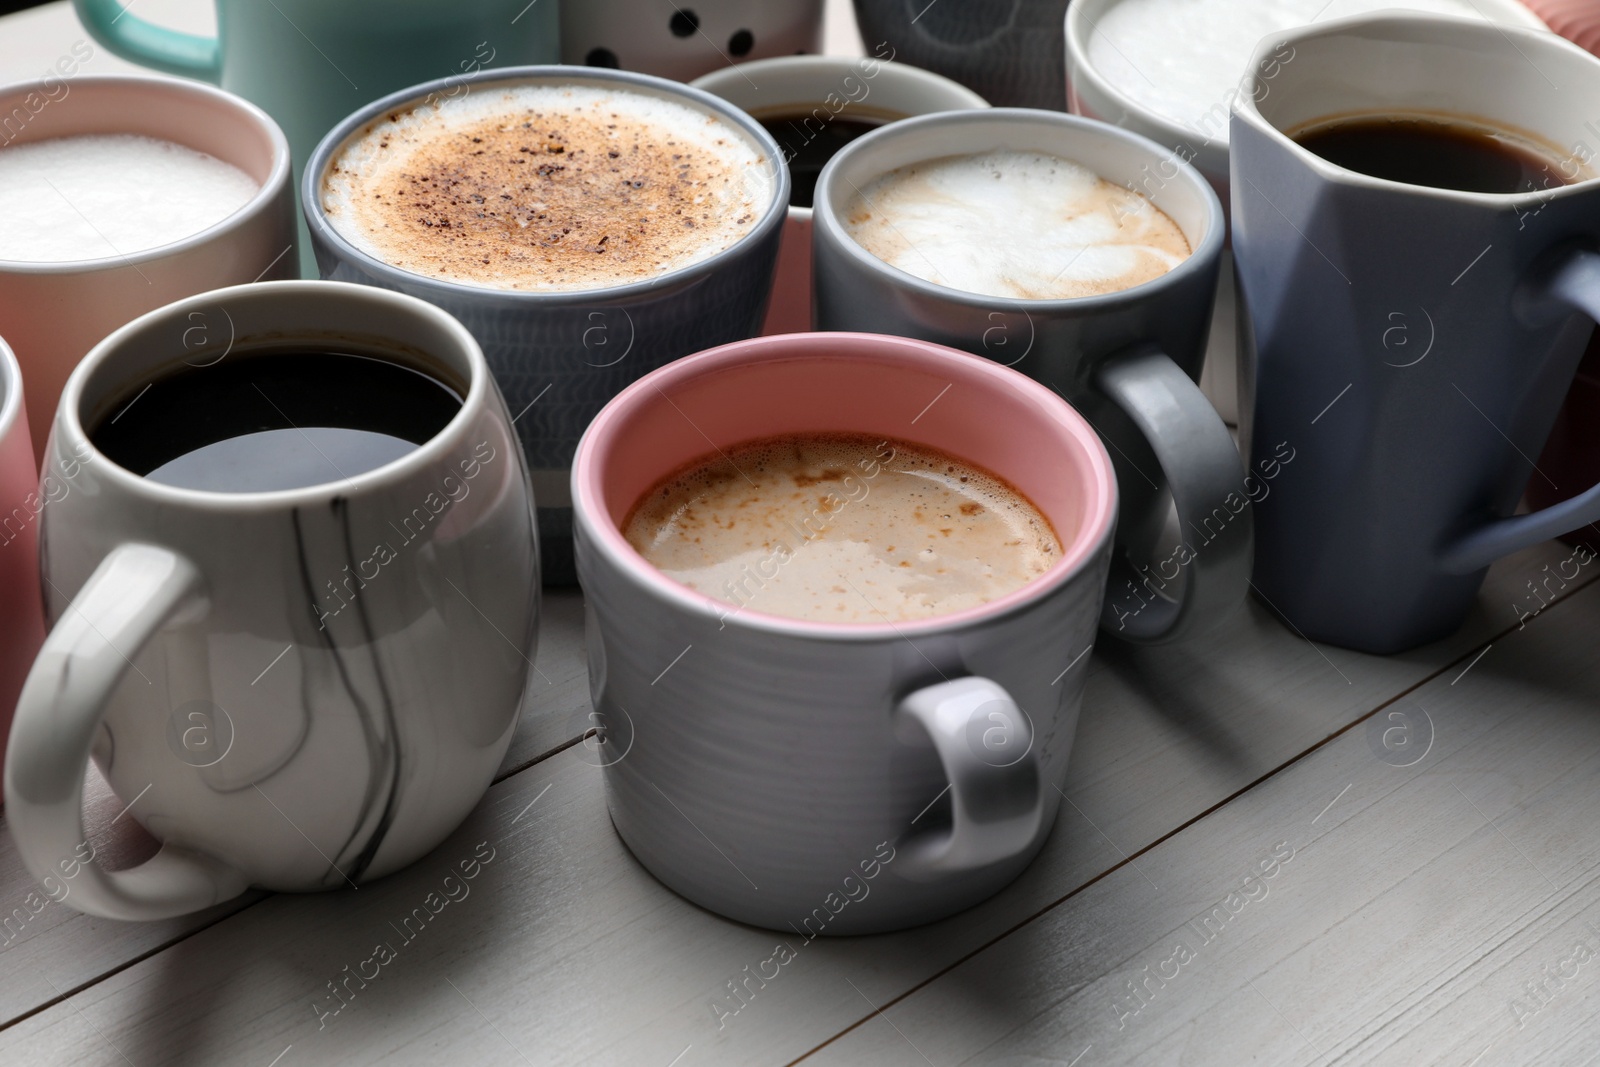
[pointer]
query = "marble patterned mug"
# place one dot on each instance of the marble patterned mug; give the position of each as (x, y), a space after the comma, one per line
(266, 736)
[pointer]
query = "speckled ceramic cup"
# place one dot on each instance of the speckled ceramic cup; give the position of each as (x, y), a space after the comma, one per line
(838, 778)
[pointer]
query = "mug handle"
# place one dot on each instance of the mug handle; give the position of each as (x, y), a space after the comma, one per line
(1202, 468)
(996, 799)
(130, 596)
(1573, 285)
(145, 43)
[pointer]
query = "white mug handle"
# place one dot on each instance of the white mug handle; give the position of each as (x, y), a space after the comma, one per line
(986, 745)
(128, 598)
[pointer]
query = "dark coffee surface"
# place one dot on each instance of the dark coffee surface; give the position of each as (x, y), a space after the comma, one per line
(809, 140)
(1434, 152)
(275, 419)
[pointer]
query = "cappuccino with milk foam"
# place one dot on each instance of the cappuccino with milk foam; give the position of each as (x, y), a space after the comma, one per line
(842, 528)
(1023, 225)
(554, 188)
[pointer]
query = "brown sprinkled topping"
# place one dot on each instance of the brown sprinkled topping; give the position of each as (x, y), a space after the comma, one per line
(621, 202)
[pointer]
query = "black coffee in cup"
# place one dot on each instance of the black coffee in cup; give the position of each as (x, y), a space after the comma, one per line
(273, 418)
(810, 138)
(1443, 152)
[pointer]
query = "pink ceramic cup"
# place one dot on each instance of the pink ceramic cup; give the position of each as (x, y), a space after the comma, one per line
(21, 500)
(805, 751)
(53, 313)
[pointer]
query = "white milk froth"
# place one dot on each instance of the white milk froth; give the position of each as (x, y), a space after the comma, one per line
(841, 528)
(1183, 58)
(100, 196)
(547, 187)
(1025, 225)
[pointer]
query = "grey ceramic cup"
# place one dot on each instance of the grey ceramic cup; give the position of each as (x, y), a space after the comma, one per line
(558, 357)
(1010, 52)
(837, 778)
(1128, 360)
(1410, 345)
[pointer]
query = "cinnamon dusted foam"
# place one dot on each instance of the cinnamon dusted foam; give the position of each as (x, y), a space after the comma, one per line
(547, 187)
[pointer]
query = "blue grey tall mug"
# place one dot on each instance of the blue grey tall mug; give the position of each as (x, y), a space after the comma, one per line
(1409, 344)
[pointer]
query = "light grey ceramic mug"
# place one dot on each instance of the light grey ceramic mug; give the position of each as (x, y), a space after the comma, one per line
(298, 689)
(837, 778)
(1129, 360)
(559, 356)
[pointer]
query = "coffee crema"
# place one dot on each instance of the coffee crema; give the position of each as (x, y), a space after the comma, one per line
(1024, 225)
(547, 187)
(99, 196)
(842, 528)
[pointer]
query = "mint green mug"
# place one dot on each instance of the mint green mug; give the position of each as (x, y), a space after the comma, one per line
(309, 63)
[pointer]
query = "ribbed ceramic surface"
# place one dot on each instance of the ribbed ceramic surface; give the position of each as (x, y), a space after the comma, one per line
(1010, 52)
(755, 772)
(558, 365)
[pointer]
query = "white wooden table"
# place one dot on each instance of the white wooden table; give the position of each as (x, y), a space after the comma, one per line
(1272, 853)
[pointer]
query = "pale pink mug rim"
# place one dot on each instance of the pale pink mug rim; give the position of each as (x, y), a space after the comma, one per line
(243, 112)
(1096, 525)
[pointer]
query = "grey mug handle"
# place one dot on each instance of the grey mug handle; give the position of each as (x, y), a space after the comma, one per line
(1573, 285)
(1203, 470)
(996, 782)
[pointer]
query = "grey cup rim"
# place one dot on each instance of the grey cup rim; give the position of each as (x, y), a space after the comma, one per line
(335, 140)
(1063, 127)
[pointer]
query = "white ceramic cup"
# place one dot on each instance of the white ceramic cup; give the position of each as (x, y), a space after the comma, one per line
(826, 88)
(264, 731)
(684, 40)
(1204, 146)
